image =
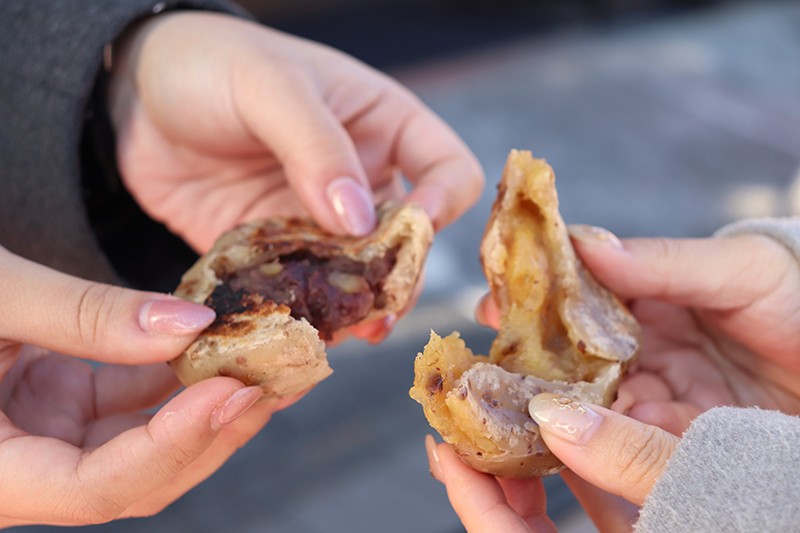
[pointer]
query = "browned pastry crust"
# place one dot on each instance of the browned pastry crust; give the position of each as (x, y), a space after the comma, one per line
(282, 286)
(560, 331)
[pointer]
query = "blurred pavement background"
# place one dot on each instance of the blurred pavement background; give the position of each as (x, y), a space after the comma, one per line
(660, 118)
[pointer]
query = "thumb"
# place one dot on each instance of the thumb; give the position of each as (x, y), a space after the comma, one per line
(73, 316)
(611, 451)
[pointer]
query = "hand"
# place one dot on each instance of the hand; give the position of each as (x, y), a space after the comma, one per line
(221, 120)
(76, 446)
(613, 463)
(719, 318)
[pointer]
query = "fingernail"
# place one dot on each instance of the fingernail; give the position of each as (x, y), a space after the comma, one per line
(593, 235)
(389, 321)
(433, 458)
(173, 316)
(353, 203)
(566, 418)
(382, 329)
(235, 406)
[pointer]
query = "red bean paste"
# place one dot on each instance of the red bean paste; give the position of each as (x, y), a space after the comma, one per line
(330, 292)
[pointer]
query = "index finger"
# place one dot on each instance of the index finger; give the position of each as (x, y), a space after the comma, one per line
(446, 176)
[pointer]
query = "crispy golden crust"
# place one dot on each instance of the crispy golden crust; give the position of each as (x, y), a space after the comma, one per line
(560, 332)
(258, 341)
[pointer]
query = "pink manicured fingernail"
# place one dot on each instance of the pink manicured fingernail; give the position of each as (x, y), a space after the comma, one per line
(593, 235)
(566, 418)
(173, 316)
(433, 458)
(235, 406)
(353, 203)
(389, 321)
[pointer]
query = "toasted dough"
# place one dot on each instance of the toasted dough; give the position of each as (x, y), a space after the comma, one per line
(560, 331)
(257, 340)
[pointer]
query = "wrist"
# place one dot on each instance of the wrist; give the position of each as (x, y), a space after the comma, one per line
(122, 63)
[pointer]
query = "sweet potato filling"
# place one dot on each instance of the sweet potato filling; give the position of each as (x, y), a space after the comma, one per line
(560, 332)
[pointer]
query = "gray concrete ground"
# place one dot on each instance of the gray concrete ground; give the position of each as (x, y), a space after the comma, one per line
(671, 126)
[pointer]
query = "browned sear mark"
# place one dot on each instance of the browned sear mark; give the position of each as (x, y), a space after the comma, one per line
(435, 384)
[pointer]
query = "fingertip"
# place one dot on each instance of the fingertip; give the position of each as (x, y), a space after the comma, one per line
(353, 205)
(613, 452)
(562, 417)
(434, 462)
(487, 313)
(174, 317)
(235, 406)
(196, 403)
(592, 236)
(446, 186)
(430, 198)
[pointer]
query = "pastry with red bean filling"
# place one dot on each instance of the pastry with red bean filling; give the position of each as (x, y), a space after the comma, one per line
(282, 287)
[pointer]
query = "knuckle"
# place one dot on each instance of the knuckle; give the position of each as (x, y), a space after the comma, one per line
(175, 455)
(90, 506)
(641, 456)
(99, 509)
(178, 457)
(93, 500)
(662, 248)
(93, 312)
(664, 253)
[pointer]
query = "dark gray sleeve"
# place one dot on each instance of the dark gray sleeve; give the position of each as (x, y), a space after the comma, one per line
(50, 55)
(735, 470)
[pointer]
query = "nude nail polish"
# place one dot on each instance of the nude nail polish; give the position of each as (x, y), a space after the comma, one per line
(433, 458)
(564, 417)
(235, 406)
(353, 204)
(173, 316)
(594, 235)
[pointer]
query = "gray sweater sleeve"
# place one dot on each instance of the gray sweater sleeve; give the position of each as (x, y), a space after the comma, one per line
(50, 56)
(735, 470)
(784, 230)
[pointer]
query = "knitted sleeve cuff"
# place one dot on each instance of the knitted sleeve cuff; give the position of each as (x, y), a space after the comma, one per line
(734, 470)
(784, 230)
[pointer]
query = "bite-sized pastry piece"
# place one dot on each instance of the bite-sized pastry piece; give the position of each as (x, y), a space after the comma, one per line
(560, 331)
(281, 287)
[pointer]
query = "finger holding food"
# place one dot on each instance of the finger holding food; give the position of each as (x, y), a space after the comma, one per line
(282, 287)
(560, 331)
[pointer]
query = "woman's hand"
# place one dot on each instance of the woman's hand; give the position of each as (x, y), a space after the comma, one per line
(221, 120)
(719, 317)
(76, 445)
(720, 320)
(613, 463)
